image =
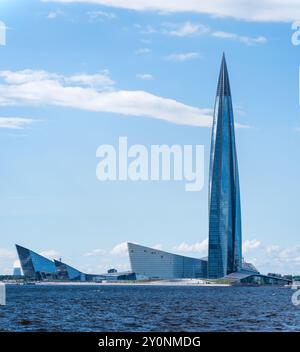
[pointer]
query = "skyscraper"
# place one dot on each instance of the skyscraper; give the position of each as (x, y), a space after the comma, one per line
(225, 236)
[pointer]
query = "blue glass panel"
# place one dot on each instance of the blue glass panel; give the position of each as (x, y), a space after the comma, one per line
(225, 253)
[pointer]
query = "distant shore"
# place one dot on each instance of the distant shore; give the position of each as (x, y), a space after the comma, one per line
(190, 282)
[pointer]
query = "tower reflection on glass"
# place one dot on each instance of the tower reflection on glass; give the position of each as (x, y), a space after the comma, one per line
(225, 235)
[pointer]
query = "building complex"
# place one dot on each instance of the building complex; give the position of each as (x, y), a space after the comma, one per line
(224, 259)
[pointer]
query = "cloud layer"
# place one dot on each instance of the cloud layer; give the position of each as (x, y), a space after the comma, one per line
(16, 123)
(93, 93)
(145, 76)
(201, 248)
(266, 257)
(240, 38)
(189, 29)
(120, 249)
(185, 29)
(251, 10)
(181, 57)
(272, 257)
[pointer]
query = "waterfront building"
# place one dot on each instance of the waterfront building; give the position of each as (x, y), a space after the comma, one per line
(225, 233)
(224, 259)
(152, 263)
(35, 266)
(225, 229)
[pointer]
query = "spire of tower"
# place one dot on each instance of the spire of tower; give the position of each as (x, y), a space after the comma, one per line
(223, 83)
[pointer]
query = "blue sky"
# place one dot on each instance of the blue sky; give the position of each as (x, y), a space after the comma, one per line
(77, 74)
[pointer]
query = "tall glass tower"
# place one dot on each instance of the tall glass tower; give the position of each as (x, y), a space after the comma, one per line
(225, 236)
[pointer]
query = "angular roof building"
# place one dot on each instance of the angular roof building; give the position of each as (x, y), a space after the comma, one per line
(67, 272)
(38, 268)
(35, 266)
(225, 233)
(153, 263)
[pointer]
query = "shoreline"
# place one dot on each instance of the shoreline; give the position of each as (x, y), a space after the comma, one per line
(194, 283)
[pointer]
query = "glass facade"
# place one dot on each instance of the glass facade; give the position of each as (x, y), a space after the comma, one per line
(156, 264)
(225, 247)
(35, 266)
(67, 272)
(265, 280)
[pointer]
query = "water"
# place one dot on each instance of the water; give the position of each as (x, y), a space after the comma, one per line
(148, 308)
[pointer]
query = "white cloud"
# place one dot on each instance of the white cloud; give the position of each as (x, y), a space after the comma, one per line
(157, 246)
(181, 57)
(145, 76)
(289, 253)
(51, 253)
(94, 253)
(251, 10)
(7, 254)
(19, 77)
(198, 247)
(142, 51)
(243, 39)
(272, 248)
(36, 88)
(100, 81)
(267, 258)
(15, 122)
(272, 257)
(189, 29)
(120, 249)
(94, 15)
(54, 14)
(248, 245)
(185, 29)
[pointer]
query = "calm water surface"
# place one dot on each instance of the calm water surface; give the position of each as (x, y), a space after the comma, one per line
(148, 308)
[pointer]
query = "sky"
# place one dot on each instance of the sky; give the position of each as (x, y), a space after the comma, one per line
(75, 75)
